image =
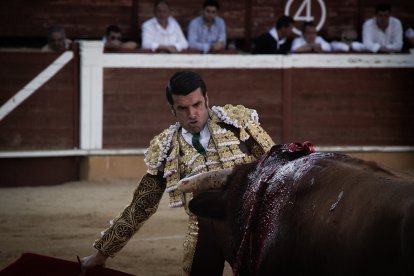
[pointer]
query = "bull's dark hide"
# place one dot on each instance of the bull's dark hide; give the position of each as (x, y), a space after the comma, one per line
(320, 214)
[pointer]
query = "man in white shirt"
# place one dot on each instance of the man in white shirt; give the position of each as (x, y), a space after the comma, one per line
(383, 33)
(310, 42)
(162, 33)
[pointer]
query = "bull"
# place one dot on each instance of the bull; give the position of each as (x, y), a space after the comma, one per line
(299, 212)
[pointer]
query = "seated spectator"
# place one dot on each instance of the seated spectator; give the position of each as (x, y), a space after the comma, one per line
(383, 33)
(277, 40)
(409, 34)
(310, 42)
(56, 40)
(348, 42)
(207, 32)
(113, 39)
(162, 33)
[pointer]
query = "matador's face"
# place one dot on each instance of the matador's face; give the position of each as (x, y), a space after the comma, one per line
(191, 110)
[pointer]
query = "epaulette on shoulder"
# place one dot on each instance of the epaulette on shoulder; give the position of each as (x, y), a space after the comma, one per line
(238, 116)
(158, 149)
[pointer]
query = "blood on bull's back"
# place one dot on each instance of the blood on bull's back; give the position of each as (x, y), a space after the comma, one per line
(346, 216)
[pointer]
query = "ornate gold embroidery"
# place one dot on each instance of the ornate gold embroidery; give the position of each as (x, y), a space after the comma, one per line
(261, 137)
(189, 244)
(238, 116)
(159, 148)
(144, 203)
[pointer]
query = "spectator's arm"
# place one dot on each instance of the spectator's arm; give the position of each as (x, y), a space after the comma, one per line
(396, 38)
(222, 32)
(221, 43)
(149, 38)
(339, 46)
(358, 46)
(193, 39)
(181, 42)
(368, 40)
(325, 46)
(299, 45)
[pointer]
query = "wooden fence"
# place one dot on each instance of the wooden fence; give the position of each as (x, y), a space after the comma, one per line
(114, 103)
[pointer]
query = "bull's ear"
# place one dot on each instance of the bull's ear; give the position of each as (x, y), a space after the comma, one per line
(208, 205)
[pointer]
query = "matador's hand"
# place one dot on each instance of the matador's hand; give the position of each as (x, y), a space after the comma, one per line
(94, 260)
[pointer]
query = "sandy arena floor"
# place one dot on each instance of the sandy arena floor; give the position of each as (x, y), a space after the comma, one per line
(63, 221)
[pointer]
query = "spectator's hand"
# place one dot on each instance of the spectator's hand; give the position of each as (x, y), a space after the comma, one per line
(167, 49)
(307, 48)
(385, 50)
(113, 44)
(129, 45)
(172, 49)
(316, 48)
(94, 260)
(218, 46)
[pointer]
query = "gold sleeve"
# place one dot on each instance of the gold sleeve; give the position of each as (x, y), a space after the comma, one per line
(144, 204)
(259, 141)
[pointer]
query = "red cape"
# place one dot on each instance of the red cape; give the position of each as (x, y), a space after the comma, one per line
(35, 264)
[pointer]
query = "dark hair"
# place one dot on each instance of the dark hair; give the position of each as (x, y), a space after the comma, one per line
(183, 83)
(158, 2)
(307, 24)
(209, 3)
(284, 21)
(55, 29)
(112, 29)
(383, 7)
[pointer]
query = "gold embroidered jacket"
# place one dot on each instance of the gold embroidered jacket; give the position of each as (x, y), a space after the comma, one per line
(235, 137)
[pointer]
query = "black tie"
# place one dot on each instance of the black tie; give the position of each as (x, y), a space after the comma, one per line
(197, 145)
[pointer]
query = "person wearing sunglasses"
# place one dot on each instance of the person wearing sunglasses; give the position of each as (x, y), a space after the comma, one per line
(113, 39)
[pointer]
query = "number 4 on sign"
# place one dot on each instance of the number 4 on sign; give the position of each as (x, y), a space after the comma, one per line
(306, 4)
(304, 13)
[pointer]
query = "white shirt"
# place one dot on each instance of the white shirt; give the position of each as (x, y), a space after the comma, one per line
(374, 38)
(409, 33)
(154, 35)
(342, 46)
(300, 41)
(204, 136)
(47, 48)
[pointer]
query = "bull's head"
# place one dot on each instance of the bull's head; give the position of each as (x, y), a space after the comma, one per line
(215, 198)
(209, 199)
(219, 196)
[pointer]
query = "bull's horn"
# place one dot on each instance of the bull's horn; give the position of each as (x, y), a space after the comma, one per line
(204, 181)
